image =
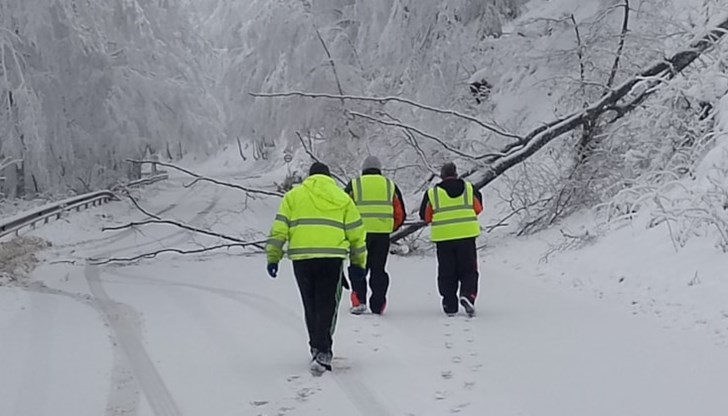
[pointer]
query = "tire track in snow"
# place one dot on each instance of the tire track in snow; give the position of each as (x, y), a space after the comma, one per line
(125, 375)
(150, 381)
(355, 390)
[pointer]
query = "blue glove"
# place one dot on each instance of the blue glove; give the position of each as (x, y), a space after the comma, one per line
(273, 270)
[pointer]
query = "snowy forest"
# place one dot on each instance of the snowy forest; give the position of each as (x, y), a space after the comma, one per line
(88, 85)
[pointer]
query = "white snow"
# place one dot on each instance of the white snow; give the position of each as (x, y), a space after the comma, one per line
(214, 335)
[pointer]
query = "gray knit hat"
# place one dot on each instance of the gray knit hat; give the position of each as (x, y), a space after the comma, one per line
(448, 171)
(371, 162)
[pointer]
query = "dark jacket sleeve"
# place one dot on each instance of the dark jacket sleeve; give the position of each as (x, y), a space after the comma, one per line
(423, 206)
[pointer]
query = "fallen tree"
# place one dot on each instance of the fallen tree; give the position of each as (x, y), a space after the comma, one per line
(611, 107)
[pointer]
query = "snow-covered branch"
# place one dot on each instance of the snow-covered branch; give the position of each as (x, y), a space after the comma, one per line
(620, 48)
(310, 153)
(200, 178)
(424, 134)
(176, 224)
(257, 244)
(382, 100)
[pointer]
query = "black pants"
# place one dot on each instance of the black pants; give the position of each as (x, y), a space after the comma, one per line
(377, 252)
(319, 281)
(457, 268)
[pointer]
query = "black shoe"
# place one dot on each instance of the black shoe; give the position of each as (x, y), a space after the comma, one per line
(324, 359)
(468, 306)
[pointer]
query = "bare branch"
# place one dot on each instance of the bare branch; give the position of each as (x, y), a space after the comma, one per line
(331, 62)
(622, 36)
(423, 134)
(174, 223)
(313, 156)
(198, 177)
(97, 262)
(382, 100)
(579, 49)
(6, 162)
(144, 211)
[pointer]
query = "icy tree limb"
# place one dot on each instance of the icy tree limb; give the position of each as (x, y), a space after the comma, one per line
(650, 78)
(139, 207)
(423, 134)
(6, 163)
(200, 178)
(579, 49)
(331, 62)
(97, 262)
(315, 158)
(176, 224)
(622, 37)
(382, 100)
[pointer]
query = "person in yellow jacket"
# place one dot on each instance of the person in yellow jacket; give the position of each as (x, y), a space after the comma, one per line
(322, 227)
(452, 208)
(382, 209)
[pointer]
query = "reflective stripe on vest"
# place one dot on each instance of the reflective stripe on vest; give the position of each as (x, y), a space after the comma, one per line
(373, 196)
(453, 218)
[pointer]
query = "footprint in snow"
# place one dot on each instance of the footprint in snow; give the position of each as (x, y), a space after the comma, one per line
(459, 408)
(440, 395)
(303, 394)
(340, 364)
(457, 359)
(447, 375)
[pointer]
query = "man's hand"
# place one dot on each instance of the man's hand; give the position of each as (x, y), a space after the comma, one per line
(273, 270)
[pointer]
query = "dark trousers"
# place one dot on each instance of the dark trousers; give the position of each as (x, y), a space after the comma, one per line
(457, 268)
(377, 252)
(319, 281)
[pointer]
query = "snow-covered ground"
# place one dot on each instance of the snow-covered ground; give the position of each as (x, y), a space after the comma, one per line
(213, 335)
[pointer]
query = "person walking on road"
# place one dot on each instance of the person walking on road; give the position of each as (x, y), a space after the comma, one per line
(452, 208)
(322, 226)
(381, 206)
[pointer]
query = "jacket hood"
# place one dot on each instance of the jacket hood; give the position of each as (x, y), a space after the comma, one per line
(453, 186)
(371, 171)
(324, 194)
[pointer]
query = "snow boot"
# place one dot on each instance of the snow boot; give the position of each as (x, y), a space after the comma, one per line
(379, 311)
(323, 359)
(357, 308)
(316, 368)
(468, 306)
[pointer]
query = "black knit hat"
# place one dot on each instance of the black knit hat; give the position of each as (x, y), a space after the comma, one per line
(448, 171)
(319, 168)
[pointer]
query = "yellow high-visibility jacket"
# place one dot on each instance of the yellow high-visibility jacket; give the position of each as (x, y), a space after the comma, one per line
(453, 218)
(373, 196)
(318, 220)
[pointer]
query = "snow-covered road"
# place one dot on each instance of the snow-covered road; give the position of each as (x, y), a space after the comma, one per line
(214, 335)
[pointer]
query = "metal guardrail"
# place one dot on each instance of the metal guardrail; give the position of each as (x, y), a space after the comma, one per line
(56, 209)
